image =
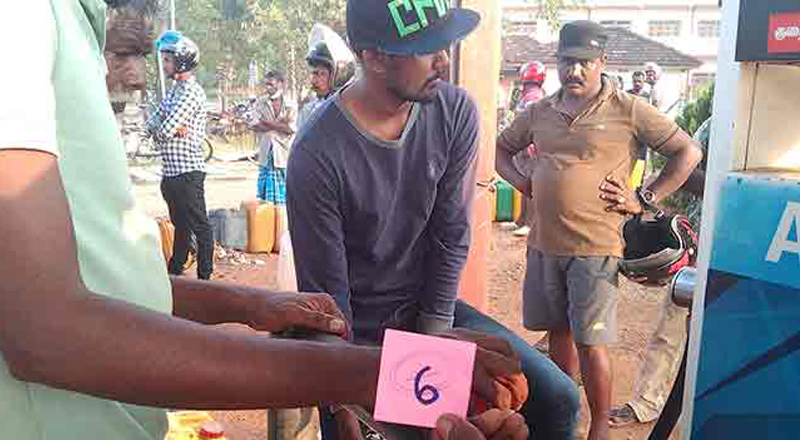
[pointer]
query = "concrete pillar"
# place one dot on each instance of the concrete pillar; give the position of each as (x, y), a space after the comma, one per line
(478, 70)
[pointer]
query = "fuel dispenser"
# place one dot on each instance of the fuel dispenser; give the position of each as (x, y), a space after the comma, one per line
(743, 370)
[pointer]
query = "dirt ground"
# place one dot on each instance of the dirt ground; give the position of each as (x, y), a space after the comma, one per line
(638, 315)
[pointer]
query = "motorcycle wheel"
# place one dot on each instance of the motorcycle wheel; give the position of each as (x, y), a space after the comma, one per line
(208, 150)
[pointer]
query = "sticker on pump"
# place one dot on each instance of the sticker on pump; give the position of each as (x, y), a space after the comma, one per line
(784, 33)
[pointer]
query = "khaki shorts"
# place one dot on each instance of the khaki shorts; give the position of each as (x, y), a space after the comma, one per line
(575, 293)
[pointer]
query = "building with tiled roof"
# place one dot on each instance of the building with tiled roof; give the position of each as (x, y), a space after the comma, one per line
(677, 34)
(626, 51)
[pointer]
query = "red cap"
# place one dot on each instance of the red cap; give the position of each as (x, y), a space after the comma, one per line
(211, 429)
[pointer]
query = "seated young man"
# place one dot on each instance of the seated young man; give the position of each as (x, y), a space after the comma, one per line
(380, 188)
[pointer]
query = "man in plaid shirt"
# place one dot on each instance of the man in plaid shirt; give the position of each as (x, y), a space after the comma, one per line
(178, 128)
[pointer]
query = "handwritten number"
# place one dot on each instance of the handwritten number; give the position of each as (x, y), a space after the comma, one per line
(420, 392)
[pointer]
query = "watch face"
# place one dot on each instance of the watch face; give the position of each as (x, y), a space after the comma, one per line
(647, 195)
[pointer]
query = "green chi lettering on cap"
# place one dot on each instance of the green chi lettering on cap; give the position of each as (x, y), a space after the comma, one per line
(419, 7)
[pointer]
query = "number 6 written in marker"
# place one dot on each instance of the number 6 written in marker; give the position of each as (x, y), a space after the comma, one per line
(420, 392)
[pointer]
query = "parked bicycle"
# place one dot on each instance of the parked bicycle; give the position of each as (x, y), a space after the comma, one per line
(231, 128)
(141, 148)
(218, 125)
(139, 145)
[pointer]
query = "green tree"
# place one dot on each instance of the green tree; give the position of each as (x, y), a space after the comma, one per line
(550, 10)
(232, 33)
(697, 111)
(147, 8)
(285, 25)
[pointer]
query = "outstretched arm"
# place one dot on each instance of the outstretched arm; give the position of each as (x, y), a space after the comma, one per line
(49, 319)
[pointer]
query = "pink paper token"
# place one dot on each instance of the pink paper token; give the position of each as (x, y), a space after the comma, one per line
(423, 377)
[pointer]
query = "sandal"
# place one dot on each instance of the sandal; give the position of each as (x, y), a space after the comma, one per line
(543, 345)
(622, 416)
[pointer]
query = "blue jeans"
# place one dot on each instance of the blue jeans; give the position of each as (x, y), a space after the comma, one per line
(553, 403)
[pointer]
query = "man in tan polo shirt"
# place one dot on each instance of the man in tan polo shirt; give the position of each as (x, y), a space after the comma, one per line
(587, 137)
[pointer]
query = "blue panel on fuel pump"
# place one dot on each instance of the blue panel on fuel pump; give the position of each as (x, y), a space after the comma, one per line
(748, 382)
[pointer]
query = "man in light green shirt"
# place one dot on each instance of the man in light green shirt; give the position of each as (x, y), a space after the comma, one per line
(88, 316)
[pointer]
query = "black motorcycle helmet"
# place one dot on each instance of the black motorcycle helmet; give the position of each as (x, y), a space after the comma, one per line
(655, 250)
(186, 52)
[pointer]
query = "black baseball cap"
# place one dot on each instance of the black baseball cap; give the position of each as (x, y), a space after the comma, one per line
(407, 27)
(582, 39)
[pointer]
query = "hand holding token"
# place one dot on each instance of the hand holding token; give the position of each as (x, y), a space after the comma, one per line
(497, 378)
(422, 377)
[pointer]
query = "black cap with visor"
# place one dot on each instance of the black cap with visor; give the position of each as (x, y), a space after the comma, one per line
(407, 27)
(583, 40)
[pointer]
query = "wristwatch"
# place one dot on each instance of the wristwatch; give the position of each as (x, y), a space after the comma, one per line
(646, 196)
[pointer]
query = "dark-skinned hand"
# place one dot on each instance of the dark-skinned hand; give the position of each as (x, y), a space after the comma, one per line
(347, 425)
(620, 198)
(494, 424)
(279, 311)
(497, 378)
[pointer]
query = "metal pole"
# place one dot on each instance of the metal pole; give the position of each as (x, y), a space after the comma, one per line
(160, 62)
(161, 79)
(172, 14)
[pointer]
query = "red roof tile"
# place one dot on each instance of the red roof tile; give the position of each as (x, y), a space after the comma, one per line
(625, 49)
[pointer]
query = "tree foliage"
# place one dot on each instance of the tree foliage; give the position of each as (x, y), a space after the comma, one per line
(694, 114)
(551, 10)
(697, 111)
(146, 7)
(233, 33)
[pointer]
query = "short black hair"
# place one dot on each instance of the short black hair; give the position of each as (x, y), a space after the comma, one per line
(319, 63)
(276, 75)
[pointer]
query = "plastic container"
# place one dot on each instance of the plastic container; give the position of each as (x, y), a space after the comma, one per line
(517, 204)
(193, 425)
(260, 226)
(637, 176)
(167, 232)
(216, 218)
(281, 225)
(493, 204)
(230, 228)
(211, 430)
(505, 201)
(287, 278)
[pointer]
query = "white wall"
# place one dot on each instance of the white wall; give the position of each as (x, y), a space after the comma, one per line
(639, 13)
(687, 42)
(774, 140)
(611, 3)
